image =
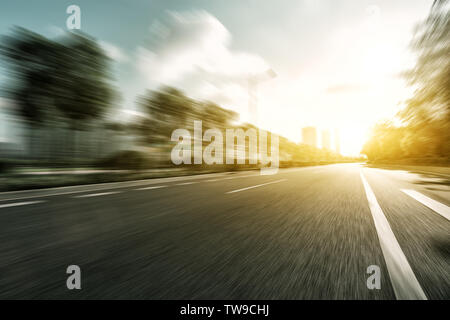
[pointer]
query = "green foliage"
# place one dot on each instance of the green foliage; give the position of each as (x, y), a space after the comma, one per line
(5, 166)
(64, 80)
(126, 160)
(168, 109)
(431, 74)
(83, 92)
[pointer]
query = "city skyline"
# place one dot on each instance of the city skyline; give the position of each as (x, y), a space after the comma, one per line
(326, 139)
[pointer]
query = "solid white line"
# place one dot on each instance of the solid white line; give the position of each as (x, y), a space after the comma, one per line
(19, 204)
(96, 194)
(185, 183)
(150, 188)
(434, 205)
(404, 282)
(258, 185)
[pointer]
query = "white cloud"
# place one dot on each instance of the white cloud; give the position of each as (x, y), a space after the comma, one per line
(192, 46)
(113, 51)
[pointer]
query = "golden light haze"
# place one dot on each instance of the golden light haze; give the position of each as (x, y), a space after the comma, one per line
(351, 84)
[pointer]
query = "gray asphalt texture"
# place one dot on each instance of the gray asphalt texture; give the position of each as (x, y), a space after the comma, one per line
(311, 236)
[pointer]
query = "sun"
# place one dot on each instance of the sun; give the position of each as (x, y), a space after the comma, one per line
(352, 139)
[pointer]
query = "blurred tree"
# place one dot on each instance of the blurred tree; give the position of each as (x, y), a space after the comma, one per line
(166, 110)
(57, 81)
(214, 116)
(427, 113)
(31, 80)
(83, 91)
(385, 142)
(425, 131)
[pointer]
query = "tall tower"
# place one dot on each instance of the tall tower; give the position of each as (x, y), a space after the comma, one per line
(326, 140)
(309, 136)
(337, 141)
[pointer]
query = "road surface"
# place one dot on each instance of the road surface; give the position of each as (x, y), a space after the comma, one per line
(304, 233)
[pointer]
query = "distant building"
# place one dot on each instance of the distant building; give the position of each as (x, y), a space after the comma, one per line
(309, 136)
(337, 141)
(326, 140)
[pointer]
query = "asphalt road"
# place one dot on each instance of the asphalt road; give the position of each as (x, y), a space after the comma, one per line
(304, 233)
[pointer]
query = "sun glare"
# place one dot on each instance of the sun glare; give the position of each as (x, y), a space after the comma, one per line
(352, 139)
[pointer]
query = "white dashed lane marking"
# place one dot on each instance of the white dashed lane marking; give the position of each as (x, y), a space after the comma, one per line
(151, 188)
(434, 205)
(185, 183)
(258, 185)
(403, 279)
(97, 194)
(15, 204)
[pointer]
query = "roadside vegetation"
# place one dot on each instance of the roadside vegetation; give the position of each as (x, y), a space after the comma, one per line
(423, 135)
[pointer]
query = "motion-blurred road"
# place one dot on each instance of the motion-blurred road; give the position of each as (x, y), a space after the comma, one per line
(304, 233)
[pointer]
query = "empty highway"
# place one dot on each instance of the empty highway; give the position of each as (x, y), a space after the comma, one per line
(303, 233)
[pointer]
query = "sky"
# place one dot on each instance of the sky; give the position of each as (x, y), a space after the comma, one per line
(337, 63)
